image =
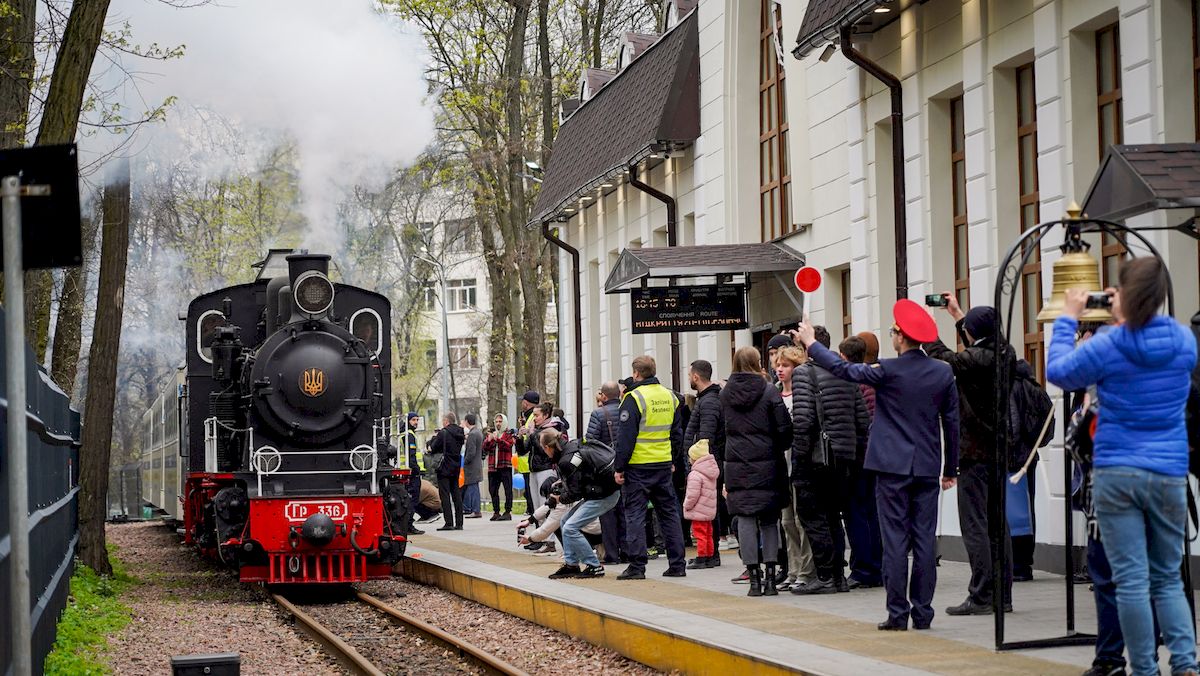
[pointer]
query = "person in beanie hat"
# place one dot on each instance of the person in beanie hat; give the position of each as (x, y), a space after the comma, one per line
(522, 447)
(975, 372)
(414, 467)
(915, 399)
(700, 502)
(773, 345)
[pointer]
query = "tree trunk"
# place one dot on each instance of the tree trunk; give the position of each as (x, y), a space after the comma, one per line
(547, 81)
(514, 63)
(102, 375)
(597, 29)
(17, 27)
(68, 328)
(60, 118)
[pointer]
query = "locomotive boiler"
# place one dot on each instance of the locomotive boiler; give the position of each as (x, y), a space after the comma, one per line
(292, 474)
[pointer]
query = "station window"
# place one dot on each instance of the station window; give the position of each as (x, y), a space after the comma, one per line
(847, 304)
(1027, 174)
(958, 173)
(464, 353)
(775, 176)
(1110, 121)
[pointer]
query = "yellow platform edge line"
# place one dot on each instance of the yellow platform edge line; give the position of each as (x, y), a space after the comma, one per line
(657, 648)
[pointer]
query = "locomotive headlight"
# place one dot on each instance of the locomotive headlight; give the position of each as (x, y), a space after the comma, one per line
(313, 293)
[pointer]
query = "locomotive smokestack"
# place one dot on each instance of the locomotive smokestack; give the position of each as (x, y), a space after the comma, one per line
(299, 264)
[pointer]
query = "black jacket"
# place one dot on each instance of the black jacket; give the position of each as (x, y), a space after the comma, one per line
(449, 442)
(758, 432)
(538, 460)
(846, 419)
(586, 471)
(707, 423)
(975, 373)
(604, 421)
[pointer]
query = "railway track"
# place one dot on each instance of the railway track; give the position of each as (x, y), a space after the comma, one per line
(349, 657)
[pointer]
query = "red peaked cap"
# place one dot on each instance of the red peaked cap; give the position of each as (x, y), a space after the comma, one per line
(914, 321)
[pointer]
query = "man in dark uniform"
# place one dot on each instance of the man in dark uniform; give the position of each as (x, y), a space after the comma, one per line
(414, 466)
(651, 427)
(914, 397)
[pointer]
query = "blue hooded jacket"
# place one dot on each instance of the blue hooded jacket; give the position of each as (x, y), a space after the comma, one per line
(1143, 379)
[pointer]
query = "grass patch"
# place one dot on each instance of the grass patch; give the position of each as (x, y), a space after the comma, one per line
(94, 612)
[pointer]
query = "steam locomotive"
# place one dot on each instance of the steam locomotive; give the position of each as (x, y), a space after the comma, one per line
(291, 470)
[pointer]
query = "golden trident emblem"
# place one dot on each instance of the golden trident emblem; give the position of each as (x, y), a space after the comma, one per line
(312, 382)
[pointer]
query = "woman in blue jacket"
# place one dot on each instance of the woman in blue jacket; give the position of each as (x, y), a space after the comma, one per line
(1142, 370)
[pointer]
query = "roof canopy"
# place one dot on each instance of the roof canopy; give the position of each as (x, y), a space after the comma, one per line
(824, 19)
(636, 265)
(653, 103)
(1137, 179)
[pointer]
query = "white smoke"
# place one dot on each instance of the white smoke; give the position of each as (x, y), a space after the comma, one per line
(340, 80)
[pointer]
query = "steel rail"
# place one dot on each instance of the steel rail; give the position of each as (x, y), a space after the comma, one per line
(344, 652)
(465, 649)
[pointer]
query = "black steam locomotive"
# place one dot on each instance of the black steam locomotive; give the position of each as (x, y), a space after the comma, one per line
(290, 473)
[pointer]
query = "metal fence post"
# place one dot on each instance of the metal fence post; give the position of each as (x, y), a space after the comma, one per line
(18, 470)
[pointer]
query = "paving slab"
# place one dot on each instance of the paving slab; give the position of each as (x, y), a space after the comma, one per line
(832, 634)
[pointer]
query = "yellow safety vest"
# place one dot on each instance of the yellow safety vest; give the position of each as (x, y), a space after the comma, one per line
(523, 460)
(657, 406)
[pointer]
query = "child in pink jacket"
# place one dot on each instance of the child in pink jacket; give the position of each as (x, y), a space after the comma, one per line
(700, 503)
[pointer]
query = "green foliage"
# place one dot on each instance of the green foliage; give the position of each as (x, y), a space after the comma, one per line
(94, 612)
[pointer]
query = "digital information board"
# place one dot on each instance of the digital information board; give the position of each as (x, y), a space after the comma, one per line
(663, 309)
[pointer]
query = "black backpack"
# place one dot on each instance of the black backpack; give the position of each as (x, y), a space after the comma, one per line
(1029, 406)
(599, 480)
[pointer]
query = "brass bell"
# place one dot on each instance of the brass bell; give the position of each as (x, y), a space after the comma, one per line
(1075, 270)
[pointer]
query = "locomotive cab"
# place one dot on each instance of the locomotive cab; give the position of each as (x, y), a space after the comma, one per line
(291, 384)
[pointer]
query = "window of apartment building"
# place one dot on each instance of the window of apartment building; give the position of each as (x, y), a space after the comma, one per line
(464, 353)
(847, 305)
(551, 350)
(1110, 123)
(774, 173)
(428, 297)
(458, 235)
(461, 294)
(958, 173)
(1027, 185)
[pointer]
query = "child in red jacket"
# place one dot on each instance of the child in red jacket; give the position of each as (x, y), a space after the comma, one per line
(700, 503)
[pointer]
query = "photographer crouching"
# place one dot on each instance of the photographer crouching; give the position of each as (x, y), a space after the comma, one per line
(586, 470)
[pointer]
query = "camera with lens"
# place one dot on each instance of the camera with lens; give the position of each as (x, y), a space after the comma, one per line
(1098, 300)
(520, 533)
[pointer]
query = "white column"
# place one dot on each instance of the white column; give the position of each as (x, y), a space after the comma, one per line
(982, 233)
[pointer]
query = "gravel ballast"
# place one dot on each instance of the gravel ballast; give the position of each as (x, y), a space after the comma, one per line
(182, 605)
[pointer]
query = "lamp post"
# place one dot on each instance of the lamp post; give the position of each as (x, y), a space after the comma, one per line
(447, 374)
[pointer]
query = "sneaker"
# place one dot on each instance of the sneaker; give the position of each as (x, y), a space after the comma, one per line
(430, 519)
(1106, 669)
(855, 583)
(565, 571)
(495, 517)
(728, 544)
(698, 563)
(631, 574)
(841, 584)
(474, 515)
(591, 571)
(969, 607)
(534, 546)
(744, 578)
(816, 587)
(651, 555)
(507, 516)
(415, 531)
(674, 572)
(447, 527)
(786, 584)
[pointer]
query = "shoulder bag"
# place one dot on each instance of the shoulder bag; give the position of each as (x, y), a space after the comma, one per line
(822, 451)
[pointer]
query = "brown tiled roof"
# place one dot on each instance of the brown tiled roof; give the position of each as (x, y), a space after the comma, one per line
(654, 100)
(824, 18)
(700, 261)
(596, 78)
(1136, 179)
(639, 42)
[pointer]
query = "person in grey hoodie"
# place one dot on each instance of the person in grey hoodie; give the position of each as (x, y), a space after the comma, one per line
(472, 468)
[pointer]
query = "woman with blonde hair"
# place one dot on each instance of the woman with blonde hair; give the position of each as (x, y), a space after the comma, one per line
(799, 566)
(758, 430)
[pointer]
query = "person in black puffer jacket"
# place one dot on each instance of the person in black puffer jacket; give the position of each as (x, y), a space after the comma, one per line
(823, 485)
(449, 442)
(706, 422)
(975, 372)
(757, 432)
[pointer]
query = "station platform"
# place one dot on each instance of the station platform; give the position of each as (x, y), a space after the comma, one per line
(704, 624)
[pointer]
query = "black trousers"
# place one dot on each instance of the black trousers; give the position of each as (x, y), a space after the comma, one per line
(414, 498)
(452, 505)
(643, 486)
(501, 477)
(818, 506)
(908, 508)
(973, 492)
(612, 530)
